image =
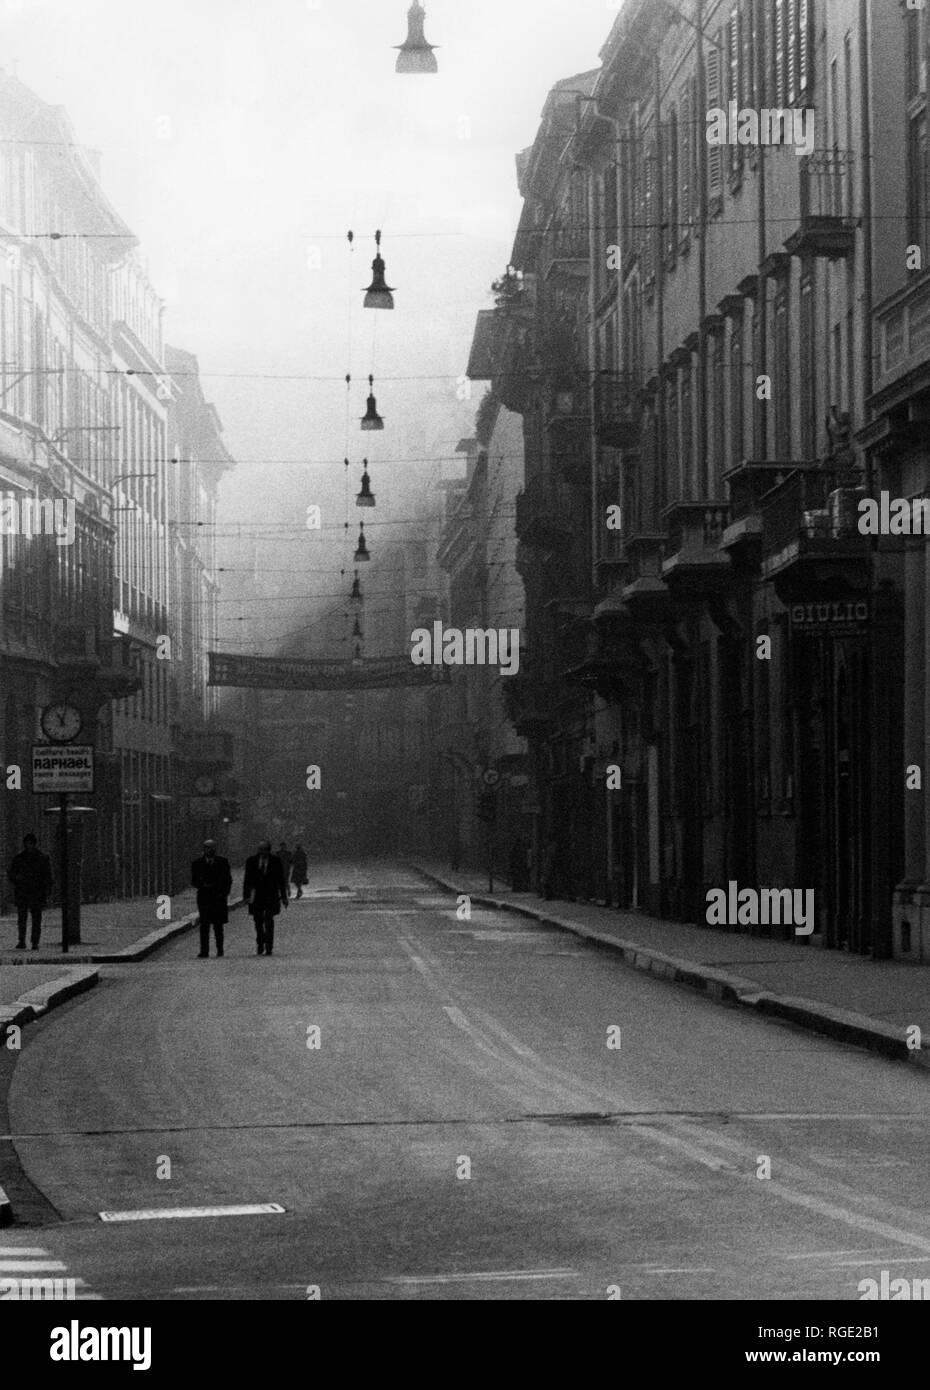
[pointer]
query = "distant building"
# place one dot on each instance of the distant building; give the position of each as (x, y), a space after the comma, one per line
(206, 797)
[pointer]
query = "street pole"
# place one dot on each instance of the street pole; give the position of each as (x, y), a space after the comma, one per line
(63, 831)
(490, 825)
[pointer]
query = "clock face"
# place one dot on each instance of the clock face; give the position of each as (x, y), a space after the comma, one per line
(204, 786)
(62, 723)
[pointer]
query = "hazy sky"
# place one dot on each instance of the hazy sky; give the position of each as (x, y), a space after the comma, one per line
(241, 140)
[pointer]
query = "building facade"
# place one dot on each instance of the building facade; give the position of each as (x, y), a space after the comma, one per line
(60, 241)
(723, 681)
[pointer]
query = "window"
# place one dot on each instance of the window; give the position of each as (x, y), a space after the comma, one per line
(718, 406)
(736, 392)
(917, 211)
(808, 367)
(686, 433)
(782, 383)
(674, 487)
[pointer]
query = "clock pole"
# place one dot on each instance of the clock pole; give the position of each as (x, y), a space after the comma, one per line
(65, 906)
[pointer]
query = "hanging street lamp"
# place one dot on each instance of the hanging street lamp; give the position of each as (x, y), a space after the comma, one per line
(371, 420)
(415, 54)
(361, 551)
(355, 597)
(378, 294)
(366, 498)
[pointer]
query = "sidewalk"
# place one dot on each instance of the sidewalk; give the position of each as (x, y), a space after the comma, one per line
(119, 932)
(857, 1000)
(124, 930)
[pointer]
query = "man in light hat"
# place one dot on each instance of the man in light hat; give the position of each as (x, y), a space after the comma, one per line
(211, 877)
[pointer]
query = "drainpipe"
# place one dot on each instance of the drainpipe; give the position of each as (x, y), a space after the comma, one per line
(700, 135)
(762, 292)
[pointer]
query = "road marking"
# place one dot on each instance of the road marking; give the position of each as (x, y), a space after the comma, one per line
(486, 1276)
(174, 1213)
(772, 1188)
(30, 1266)
(883, 1259)
(21, 1251)
(504, 935)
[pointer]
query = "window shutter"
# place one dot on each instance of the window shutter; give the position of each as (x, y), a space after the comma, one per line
(649, 210)
(747, 73)
(733, 93)
(778, 74)
(684, 163)
(791, 51)
(804, 52)
(714, 152)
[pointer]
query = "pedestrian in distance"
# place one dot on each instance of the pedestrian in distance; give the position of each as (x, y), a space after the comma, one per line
(265, 891)
(30, 873)
(211, 876)
(287, 859)
(299, 870)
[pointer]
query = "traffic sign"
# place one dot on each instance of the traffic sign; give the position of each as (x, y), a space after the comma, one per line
(63, 768)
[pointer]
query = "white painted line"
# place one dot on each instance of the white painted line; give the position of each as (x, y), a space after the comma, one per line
(174, 1213)
(20, 1251)
(705, 1270)
(882, 1259)
(28, 1266)
(831, 1254)
(488, 1276)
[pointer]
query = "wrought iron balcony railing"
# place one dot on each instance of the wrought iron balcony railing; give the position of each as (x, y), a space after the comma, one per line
(827, 224)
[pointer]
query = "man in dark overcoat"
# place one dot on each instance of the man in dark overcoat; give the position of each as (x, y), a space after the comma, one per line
(210, 875)
(265, 891)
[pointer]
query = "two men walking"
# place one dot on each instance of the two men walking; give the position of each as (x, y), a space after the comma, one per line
(264, 888)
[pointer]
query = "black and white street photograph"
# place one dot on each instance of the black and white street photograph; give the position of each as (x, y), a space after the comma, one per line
(464, 671)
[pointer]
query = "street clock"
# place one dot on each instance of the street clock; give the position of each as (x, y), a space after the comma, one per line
(61, 723)
(204, 786)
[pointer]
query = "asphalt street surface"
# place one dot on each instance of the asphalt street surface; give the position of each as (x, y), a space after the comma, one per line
(463, 1130)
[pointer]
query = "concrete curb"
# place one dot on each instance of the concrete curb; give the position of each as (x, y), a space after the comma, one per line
(36, 1002)
(861, 1030)
(139, 949)
(151, 942)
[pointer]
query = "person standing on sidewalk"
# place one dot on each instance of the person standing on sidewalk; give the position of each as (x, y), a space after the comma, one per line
(265, 892)
(299, 870)
(30, 873)
(211, 877)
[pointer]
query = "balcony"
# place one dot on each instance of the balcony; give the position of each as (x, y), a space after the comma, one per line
(827, 226)
(617, 410)
(695, 563)
(749, 482)
(543, 518)
(647, 596)
(565, 255)
(810, 533)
